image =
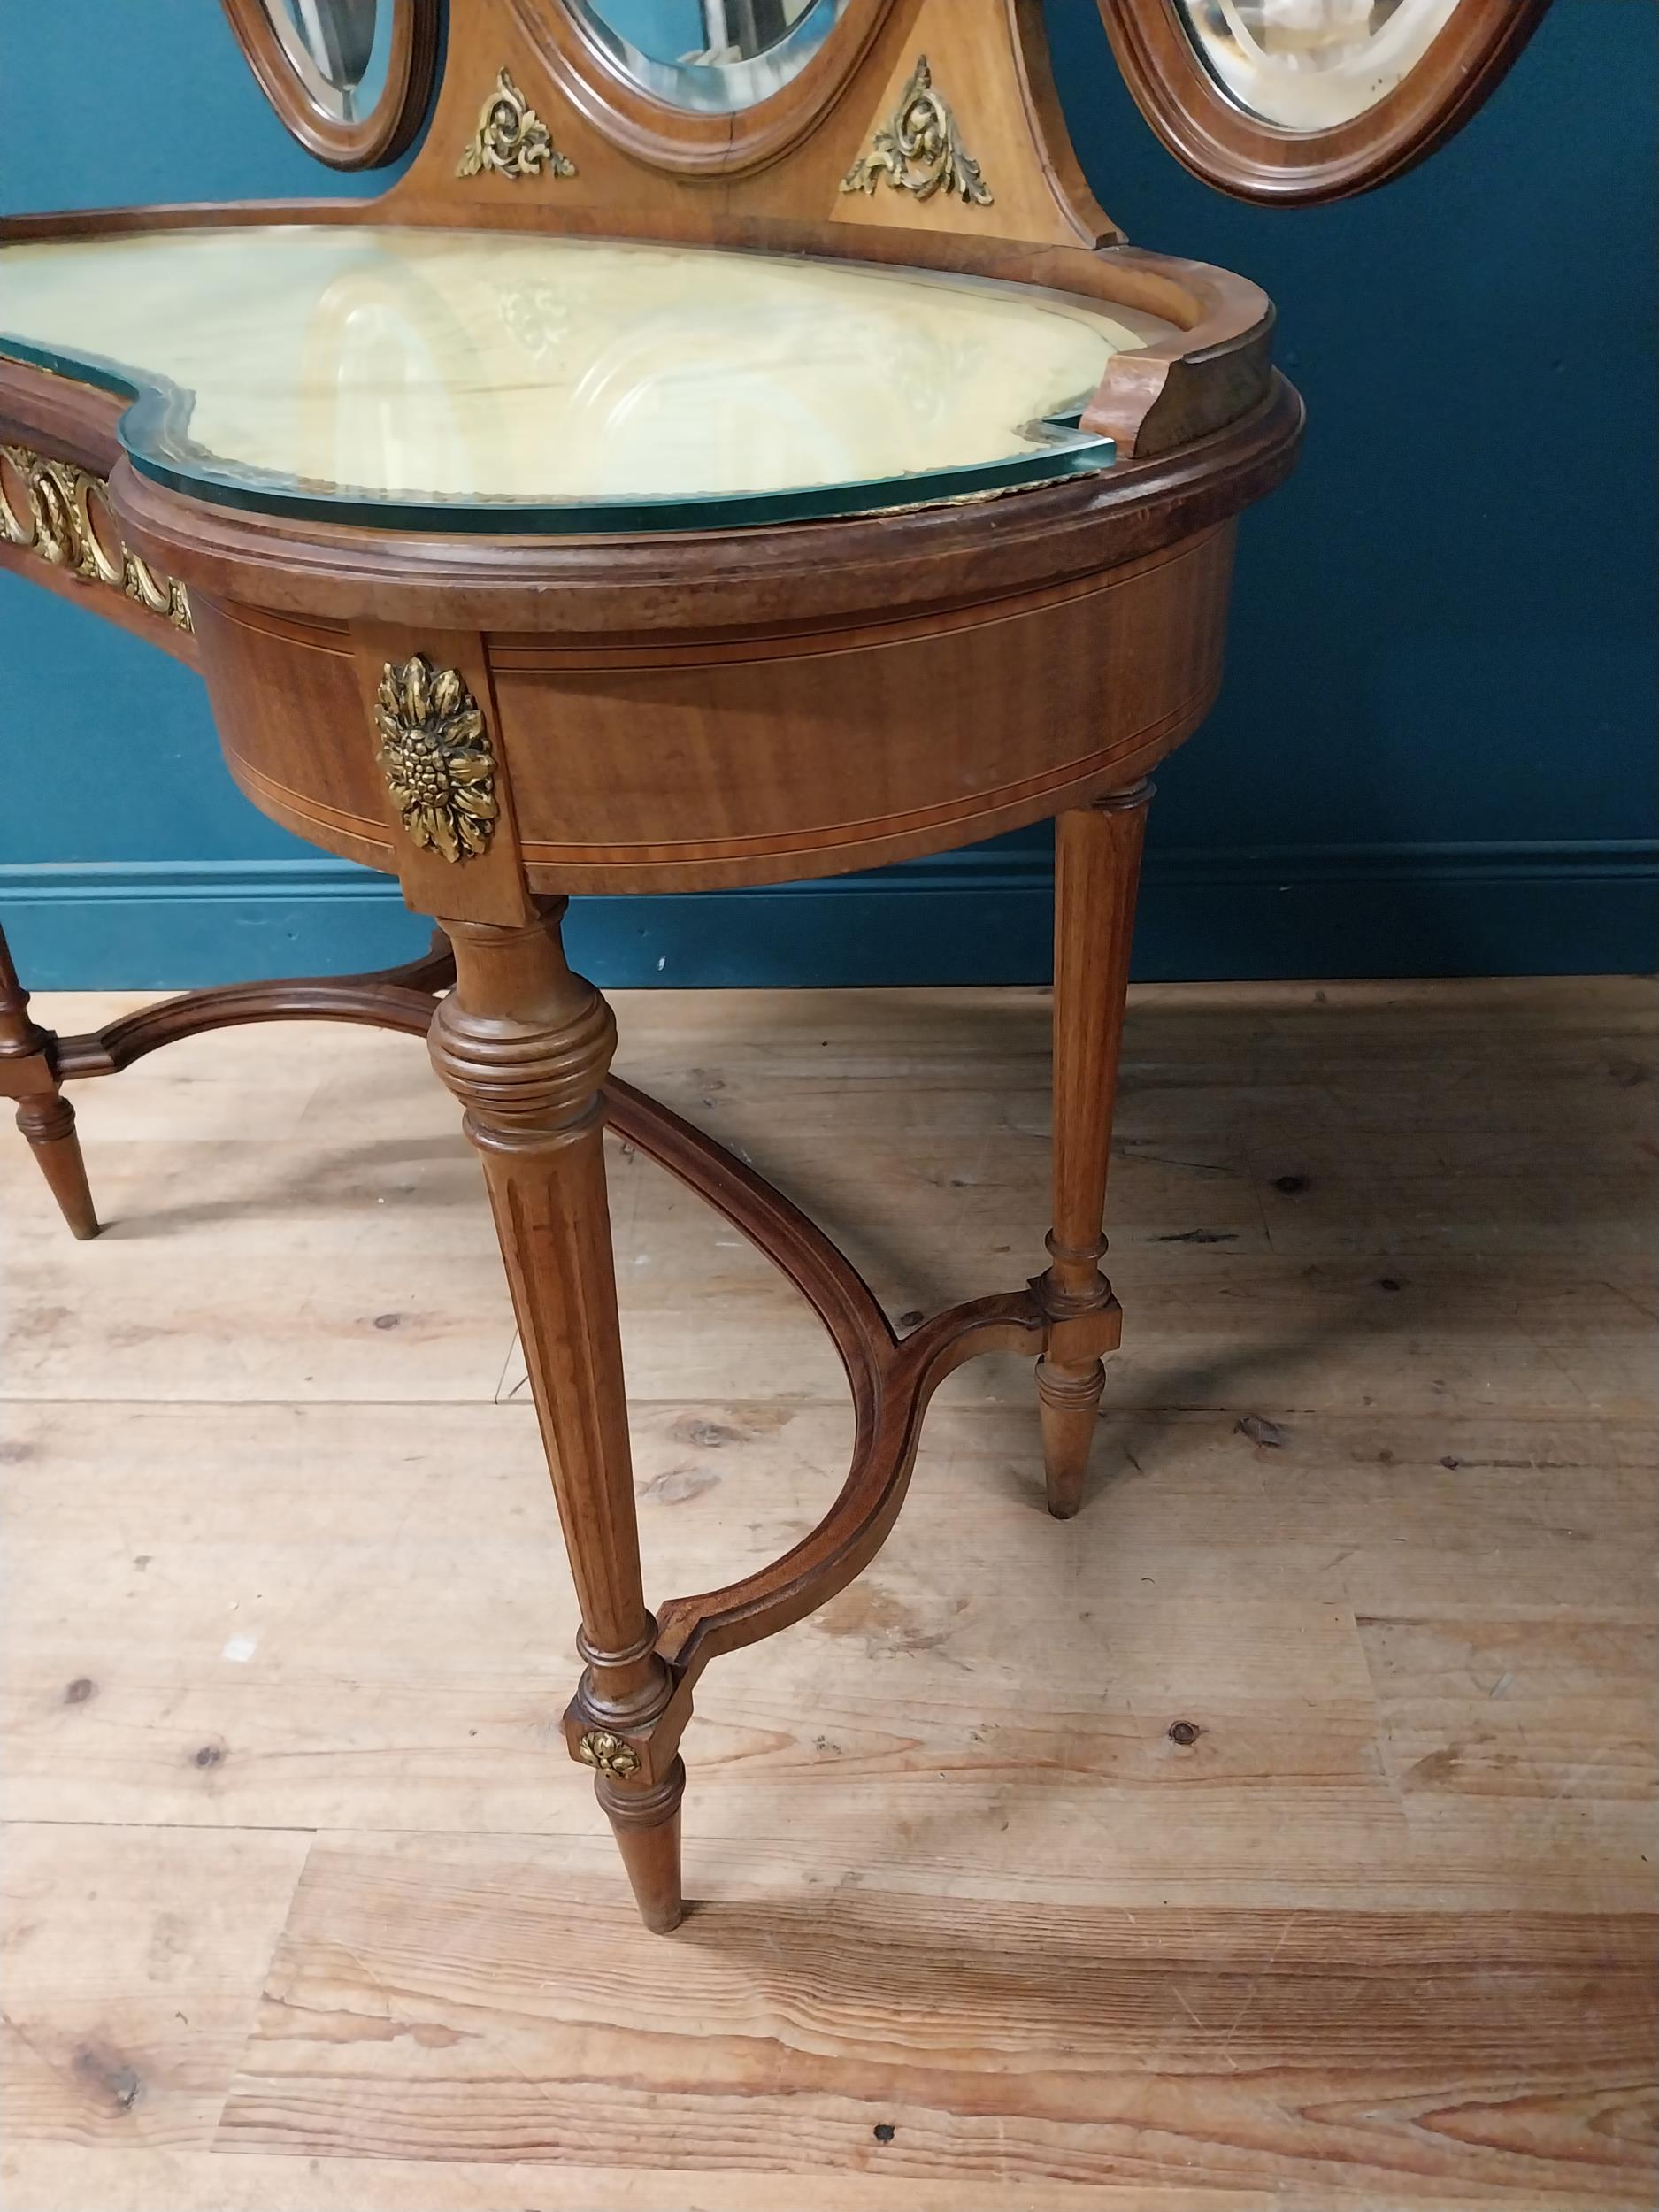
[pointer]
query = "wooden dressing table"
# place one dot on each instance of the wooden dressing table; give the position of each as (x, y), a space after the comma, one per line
(720, 458)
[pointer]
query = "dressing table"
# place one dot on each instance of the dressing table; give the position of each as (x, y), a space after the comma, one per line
(737, 447)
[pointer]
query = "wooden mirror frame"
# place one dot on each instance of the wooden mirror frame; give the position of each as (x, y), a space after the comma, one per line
(1253, 159)
(694, 143)
(374, 139)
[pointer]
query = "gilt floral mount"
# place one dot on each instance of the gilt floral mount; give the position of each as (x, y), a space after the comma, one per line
(610, 1755)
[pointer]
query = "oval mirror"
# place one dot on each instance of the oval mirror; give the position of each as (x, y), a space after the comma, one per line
(710, 57)
(1302, 100)
(706, 88)
(332, 45)
(351, 79)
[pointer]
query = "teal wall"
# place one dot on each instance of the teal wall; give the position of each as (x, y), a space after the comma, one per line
(1433, 755)
(666, 29)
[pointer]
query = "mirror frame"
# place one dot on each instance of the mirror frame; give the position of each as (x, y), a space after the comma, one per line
(694, 143)
(1253, 159)
(373, 139)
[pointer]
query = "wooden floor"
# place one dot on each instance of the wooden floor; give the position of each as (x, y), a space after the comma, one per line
(306, 1908)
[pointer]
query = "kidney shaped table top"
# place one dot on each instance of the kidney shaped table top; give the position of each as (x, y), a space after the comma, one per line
(469, 380)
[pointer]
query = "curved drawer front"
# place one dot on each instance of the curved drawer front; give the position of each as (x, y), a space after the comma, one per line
(692, 765)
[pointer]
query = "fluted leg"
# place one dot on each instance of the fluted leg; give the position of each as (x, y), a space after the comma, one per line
(524, 1045)
(44, 1115)
(1097, 869)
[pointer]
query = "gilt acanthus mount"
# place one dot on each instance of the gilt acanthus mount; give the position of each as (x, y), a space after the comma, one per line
(55, 521)
(511, 140)
(919, 149)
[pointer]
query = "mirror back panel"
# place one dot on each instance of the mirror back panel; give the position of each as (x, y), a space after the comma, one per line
(930, 118)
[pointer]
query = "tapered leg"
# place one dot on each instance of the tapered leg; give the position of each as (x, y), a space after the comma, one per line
(1097, 871)
(44, 1115)
(524, 1045)
(646, 1824)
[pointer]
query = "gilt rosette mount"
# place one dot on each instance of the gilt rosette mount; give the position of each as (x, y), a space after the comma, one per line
(919, 150)
(610, 1755)
(435, 756)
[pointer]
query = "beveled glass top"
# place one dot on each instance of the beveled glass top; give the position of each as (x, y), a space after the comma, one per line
(479, 381)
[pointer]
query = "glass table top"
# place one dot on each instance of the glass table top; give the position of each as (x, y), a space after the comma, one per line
(481, 380)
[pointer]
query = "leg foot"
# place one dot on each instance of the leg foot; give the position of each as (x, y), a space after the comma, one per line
(28, 1074)
(646, 1824)
(48, 1123)
(1068, 1402)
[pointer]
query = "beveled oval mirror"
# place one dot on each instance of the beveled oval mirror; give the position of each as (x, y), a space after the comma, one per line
(705, 86)
(1304, 100)
(711, 55)
(351, 79)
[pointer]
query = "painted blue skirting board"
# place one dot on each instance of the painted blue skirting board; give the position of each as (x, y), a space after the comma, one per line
(973, 917)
